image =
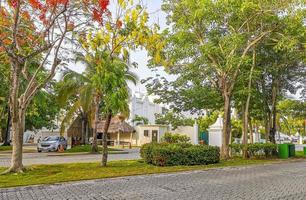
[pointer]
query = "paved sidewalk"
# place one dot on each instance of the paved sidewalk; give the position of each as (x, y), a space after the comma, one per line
(277, 181)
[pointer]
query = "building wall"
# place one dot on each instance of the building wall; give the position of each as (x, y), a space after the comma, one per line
(142, 106)
(142, 139)
(186, 130)
(124, 137)
(190, 131)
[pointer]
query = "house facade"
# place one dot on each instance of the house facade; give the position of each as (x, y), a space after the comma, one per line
(141, 105)
(155, 132)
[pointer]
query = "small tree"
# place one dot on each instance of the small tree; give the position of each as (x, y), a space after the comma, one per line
(140, 120)
(127, 30)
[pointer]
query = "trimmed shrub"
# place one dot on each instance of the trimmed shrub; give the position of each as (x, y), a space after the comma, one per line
(236, 149)
(175, 138)
(165, 154)
(256, 149)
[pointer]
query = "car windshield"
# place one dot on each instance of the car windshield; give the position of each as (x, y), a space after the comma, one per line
(51, 138)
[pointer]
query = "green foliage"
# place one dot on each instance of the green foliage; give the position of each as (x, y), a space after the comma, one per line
(104, 76)
(236, 128)
(210, 46)
(140, 120)
(175, 138)
(255, 150)
(42, 112)
(165, 154)
(236, 148)
(174, 119)
(206, 121)
(5, 148)
(292, 115)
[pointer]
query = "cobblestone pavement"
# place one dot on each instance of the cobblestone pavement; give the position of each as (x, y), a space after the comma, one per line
(43, 158)
(271, 182)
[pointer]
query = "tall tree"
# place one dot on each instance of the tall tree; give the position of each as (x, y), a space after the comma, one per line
(88, 88)
(217, 37)
(36, 30)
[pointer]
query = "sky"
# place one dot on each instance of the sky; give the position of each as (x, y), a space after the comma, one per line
(159, 17)
(140, 56)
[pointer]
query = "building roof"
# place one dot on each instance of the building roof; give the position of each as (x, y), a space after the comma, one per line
(117, 125)
(75, 128)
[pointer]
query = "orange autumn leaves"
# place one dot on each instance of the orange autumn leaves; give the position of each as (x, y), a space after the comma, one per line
(25, 34)
(35, 16)
(96, 7)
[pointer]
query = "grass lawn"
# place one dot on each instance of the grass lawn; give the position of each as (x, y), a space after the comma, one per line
(44, 174)
(87, 148)
(300, 154)
(5, 148)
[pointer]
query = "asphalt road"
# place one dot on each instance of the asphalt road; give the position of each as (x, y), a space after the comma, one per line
(268, 182)
(57, 158)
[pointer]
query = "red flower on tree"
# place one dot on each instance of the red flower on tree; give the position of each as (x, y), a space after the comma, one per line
(103, 4)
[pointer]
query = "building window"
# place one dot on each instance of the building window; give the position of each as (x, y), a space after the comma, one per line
(146, 133)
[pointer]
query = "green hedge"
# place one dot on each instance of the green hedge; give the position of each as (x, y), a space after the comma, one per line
(165, 154)
(175, 138)
(255, 150)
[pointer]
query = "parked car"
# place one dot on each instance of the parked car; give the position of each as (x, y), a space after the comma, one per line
(52, 143)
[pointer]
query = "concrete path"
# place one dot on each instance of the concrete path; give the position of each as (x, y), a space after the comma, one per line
(267, 182)
(46, 158)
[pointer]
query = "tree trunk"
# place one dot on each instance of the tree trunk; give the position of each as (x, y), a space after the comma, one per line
(6, 138)
(246, 107)
(274, 102)
(251, 131)
(17, 110)
(267, 125)
(226, 127)
(82, 131)
(94, 147)
(87, 133)
(273, 129)
(104, 141)
(244, 132)
(17, 142)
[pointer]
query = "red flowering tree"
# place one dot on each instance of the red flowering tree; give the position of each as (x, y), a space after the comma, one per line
(36, 30)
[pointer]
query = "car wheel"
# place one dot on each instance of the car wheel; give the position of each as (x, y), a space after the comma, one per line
(39, 151)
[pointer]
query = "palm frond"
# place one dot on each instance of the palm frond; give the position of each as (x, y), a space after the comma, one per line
(131, 76)
(69, 116)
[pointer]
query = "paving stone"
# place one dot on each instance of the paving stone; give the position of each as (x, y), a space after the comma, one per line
(270, 182)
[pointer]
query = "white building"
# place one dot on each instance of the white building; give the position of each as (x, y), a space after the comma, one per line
(155, 132)
(142, 106)
(215, 133)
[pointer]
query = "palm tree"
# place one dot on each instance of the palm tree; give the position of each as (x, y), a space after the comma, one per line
(102, 84)
(114, 93)
(74, 93)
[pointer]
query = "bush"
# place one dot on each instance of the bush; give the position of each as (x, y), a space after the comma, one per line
(175, 138)
(256, 149)
(165, 154)
(236, 148)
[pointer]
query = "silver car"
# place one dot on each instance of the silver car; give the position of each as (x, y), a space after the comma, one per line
(52, 143)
